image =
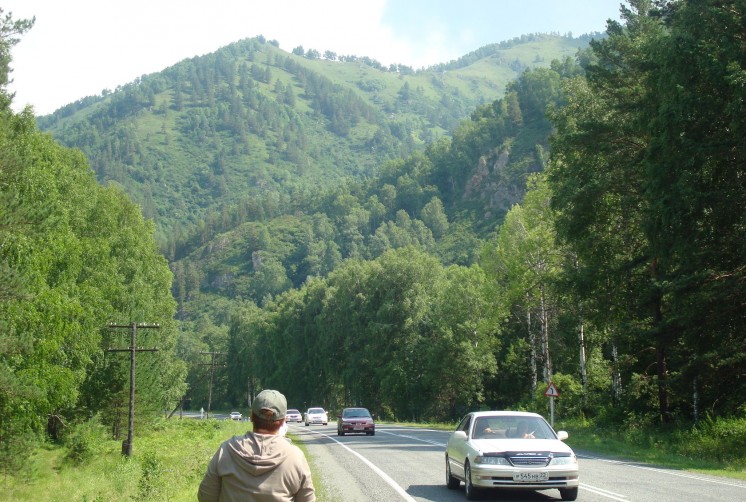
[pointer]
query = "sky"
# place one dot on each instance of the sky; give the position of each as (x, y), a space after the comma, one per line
(79, 48)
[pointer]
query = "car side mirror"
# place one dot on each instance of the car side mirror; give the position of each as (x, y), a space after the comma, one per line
(562, 435)
(460, 435)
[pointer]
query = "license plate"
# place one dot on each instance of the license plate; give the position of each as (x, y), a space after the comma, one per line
(358, 427)
(530, 477)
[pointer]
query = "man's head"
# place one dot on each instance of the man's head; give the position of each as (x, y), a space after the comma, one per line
(268, 410)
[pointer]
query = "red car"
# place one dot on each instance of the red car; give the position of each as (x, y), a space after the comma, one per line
(356, 421)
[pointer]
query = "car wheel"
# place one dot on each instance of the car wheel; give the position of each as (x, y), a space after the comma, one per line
(470, 489)
(306, 424)
(451, 482)
(340, 433)
(569, 493)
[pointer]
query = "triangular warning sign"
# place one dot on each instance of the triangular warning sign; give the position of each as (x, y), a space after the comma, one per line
(551, 391)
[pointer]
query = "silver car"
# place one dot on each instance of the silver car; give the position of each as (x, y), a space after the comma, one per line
(293, 415)
(510, 449)
(315, 416)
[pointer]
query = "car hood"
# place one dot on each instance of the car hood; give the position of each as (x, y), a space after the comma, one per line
(500, 445)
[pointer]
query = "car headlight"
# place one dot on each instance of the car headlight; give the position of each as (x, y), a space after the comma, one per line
(564, 460)
(491, 460)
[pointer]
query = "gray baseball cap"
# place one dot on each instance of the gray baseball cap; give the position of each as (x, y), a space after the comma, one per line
(270, 404)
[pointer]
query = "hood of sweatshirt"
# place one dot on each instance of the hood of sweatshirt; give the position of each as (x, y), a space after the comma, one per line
(259, 453)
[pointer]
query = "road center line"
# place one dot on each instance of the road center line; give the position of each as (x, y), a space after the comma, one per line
(410, 437)
(393, 484)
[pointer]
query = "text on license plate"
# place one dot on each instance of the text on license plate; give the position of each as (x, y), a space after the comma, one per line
(530, 477)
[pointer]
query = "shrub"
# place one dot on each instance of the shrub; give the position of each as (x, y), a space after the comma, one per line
(85, 439)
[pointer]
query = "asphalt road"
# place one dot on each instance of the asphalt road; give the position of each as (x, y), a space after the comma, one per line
(407, 464)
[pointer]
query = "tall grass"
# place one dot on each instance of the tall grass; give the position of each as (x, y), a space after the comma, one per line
(714, 447)
(169, 459)
(168, 462)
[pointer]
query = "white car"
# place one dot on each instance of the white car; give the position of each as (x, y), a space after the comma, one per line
(510, 449)
(315, 416)
(293, 415)
(235, 415)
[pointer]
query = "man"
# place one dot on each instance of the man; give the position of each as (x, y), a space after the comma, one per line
(261, 465)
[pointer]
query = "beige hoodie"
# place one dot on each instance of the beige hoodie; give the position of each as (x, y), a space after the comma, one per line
(257, 467)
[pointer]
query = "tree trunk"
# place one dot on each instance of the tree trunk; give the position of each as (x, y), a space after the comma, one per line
(532, 344)
(660, 350)
(583, 368)
(544, 315)
(616, 376)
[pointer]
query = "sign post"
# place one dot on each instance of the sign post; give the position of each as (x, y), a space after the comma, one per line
(551, 393)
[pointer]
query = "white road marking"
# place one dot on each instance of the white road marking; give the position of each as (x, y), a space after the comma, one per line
(604, 493)
(669, 472)
(393, 484)
(387, 431)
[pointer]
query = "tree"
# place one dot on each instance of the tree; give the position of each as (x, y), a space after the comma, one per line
(10, 30)
(697, 192)
(434, 216)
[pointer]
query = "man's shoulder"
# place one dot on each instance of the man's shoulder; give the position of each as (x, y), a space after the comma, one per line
(294, 451)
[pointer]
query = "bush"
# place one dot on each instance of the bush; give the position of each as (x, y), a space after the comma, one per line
(85, 439)
(723, 439)
(151, 482)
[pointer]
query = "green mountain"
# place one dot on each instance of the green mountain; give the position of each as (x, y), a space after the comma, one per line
(262, 169)
(252, 122)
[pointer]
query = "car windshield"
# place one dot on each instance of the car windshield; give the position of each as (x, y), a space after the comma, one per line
(356, 413)
(511, 427)
(293, 412)
(316, 410)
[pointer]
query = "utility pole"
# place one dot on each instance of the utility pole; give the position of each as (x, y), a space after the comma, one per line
(127, 445)
(212, 364)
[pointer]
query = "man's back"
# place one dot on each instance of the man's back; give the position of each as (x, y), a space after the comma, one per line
(257, 467)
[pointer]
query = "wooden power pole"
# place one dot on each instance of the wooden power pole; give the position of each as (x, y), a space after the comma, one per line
(212, 364)
(133, 349)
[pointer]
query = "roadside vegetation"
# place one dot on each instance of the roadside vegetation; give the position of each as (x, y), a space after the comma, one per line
(171, 456)
(169, 460)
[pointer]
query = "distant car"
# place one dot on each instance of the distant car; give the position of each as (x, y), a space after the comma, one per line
(356, 420)
(235, 415)
(315, 416)
(510, 449)
(293, 415)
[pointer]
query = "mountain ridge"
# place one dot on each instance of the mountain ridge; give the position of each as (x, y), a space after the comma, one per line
(251, 119)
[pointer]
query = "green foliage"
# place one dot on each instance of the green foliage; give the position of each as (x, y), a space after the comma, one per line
(211, 134)
(637, 160)
(85, 440)
(150, 484)
(375, 332)
(169, 461)
(10, 29)
(87, 258)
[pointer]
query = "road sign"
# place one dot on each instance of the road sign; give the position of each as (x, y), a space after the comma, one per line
(551, 390)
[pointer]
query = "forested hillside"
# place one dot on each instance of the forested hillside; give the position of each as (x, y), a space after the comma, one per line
(419, 242)
(244, 133)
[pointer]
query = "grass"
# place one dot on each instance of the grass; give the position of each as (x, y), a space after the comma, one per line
(171, 456)
(703, 449)
(168, 462)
